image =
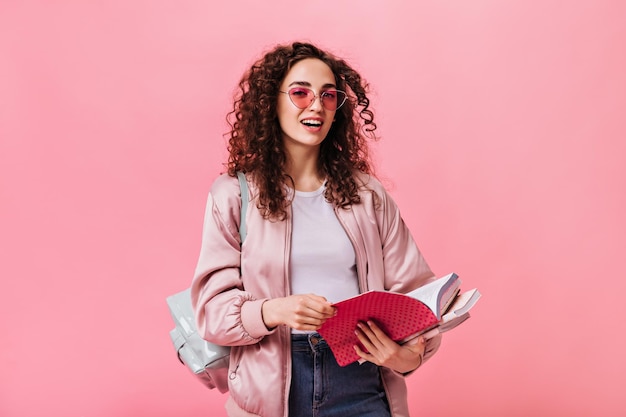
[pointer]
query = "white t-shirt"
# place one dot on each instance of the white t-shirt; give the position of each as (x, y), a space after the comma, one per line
(322, 260)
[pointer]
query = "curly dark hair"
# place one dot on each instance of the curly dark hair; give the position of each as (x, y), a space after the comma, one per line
(255, 142)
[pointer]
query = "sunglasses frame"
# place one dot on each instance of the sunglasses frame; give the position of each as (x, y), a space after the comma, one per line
(315, 96)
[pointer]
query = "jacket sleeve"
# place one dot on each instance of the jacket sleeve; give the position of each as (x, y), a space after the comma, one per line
(405, 267)
(225, 313)
(404, 264)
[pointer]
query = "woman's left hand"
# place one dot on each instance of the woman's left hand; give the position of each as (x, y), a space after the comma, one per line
(383, 351)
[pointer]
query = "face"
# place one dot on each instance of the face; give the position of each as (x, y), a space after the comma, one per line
(309, 126)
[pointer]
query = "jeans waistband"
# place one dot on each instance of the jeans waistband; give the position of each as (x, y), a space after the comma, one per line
(301, 342)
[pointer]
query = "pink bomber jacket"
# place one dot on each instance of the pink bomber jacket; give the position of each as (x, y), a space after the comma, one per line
(228, 303)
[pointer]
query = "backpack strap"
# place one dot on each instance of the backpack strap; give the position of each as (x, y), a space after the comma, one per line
(243, 184)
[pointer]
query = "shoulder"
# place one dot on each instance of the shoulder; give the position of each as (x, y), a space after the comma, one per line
(224, 186)
(368, 182)
(225, 196)
(376, 200)
(370, 188)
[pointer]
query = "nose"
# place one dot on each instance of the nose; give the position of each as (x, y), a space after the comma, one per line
(316, 104)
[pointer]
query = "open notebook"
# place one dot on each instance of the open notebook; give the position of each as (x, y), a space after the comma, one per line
(433, 308)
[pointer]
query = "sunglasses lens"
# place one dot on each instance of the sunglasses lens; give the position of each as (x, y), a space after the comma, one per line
(332, 99)
(301, 97)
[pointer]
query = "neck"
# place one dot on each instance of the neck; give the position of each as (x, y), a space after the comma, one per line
(303, 168)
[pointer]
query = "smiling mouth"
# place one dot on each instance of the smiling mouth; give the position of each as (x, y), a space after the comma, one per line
(311, 123)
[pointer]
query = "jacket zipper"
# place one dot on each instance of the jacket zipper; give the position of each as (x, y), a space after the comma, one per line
(233, 374)
(286, 333)
(361, 265)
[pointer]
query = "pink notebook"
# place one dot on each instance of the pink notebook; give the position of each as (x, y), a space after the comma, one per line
(397, 315)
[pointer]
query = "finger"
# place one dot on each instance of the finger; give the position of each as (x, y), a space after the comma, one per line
(366, 329)
(421, 344)
(320, 305)
(311, 318)
(360, 333)
(364, 339)
(306, 323)
(422, 348)
(307, 306)
(377, 331)
(313, 313)
(364, 355)
(418, 346)
(432, 345)
(376, 336)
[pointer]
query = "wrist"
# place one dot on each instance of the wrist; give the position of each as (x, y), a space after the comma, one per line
(415, 366)
(266, 315)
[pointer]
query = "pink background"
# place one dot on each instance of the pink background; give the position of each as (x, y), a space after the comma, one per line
(503, 141)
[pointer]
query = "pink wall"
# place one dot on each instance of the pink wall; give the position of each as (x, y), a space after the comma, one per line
(503, 126)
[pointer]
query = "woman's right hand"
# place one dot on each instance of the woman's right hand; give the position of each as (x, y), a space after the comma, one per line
(300, 312)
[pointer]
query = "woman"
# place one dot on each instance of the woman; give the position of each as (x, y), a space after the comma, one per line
(320, 228)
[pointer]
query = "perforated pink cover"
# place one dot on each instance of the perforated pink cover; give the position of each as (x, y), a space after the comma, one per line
(397, 315)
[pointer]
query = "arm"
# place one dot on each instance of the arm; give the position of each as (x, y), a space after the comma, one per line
(404, 270)
(411, 263)
(226, 314)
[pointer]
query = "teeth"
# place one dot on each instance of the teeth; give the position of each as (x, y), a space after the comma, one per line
(312, 122)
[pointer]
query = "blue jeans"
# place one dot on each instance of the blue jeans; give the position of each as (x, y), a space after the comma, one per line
(322, 388)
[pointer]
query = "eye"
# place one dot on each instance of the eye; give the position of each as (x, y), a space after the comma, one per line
(299, 92)
(330, 94)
